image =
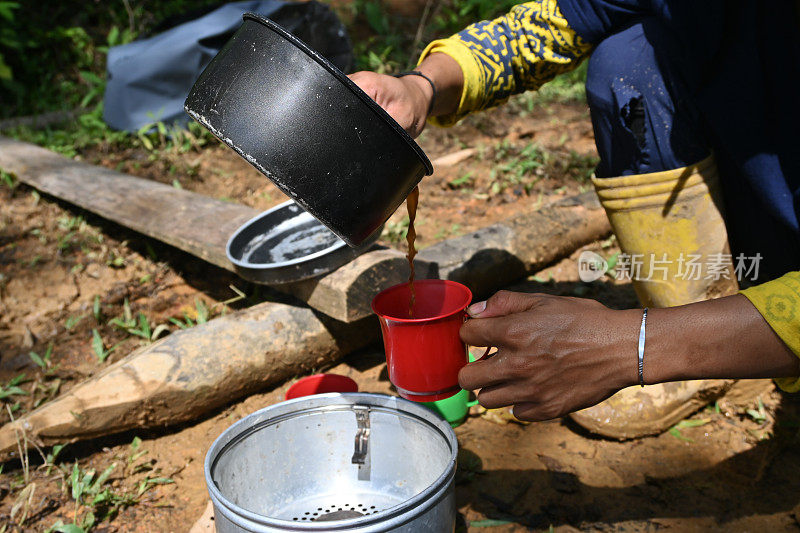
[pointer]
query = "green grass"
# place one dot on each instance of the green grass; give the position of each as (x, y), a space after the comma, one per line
(675, 430)
(566, 87)
(137, 326)
(44, 361)
(462, 181)
(388, 44)
(52, 58)
(201, 316)
(9, 180)
(70, 139)
(99, 347)
(89, 130)
(96, 498)
(12, 388)
(515, 166)
(69, 70)
(385, 43)
(396, 231)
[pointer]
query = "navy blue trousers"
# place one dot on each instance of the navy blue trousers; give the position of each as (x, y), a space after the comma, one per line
(642, 115)
(646, 120)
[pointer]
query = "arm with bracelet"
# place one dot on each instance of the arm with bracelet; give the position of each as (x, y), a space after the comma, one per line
(557, 355)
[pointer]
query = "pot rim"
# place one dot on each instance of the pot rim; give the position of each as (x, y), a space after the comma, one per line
(348, 83)
(328, 402)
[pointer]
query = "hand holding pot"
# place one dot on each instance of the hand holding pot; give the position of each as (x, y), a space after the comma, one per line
(555, 354)
(409, 99)
(406, 99)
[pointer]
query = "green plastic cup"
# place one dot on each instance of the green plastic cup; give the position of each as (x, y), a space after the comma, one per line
(453, 409)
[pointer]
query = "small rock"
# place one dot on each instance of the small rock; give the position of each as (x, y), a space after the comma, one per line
(92, 270)
(28, 340)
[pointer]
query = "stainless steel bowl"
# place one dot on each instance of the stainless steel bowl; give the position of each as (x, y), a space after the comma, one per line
(335, 462)
(286, 244)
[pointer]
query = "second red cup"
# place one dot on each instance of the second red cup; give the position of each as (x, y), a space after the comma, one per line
(424, 352)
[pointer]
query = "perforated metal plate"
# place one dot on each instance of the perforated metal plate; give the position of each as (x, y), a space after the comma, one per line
(337, 507)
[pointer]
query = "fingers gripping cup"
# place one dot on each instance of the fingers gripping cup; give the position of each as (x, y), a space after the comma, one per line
(424, 352)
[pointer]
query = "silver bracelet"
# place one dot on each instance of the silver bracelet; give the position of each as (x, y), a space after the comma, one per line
(641, 347)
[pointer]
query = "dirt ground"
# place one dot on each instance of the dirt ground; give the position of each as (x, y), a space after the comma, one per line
(65, 275)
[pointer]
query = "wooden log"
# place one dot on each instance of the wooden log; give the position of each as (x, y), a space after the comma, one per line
(484, 260)
(192, 222)
(190, 373)
(453, 159)
(346, 294)
(42, 120)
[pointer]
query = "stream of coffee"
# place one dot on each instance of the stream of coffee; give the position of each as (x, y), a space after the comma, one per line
(411, 205)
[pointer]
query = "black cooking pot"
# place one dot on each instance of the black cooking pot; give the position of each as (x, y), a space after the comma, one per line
(301, 122)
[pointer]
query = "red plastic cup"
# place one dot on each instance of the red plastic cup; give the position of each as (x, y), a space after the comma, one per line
(424, 353)
(320, 384)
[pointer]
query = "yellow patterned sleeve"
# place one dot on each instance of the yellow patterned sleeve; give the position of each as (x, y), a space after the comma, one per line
(778, 301)
(514, 53)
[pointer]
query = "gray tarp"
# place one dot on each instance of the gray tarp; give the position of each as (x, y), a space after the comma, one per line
(148, 80)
